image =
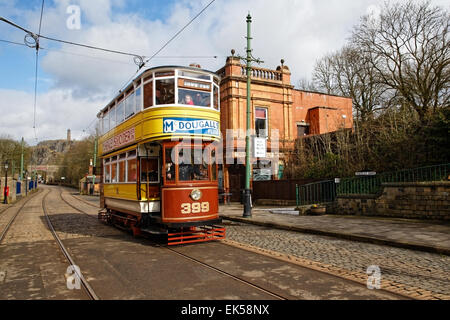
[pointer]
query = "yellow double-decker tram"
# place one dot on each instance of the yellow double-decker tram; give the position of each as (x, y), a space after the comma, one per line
(159, 156)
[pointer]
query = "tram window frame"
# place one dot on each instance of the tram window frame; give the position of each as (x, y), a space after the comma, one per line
(193, 166)
(149, 88)
(112, 118)
(131, 156)
(157, 87)
(168, 151)
(121, 168)
(114, 173)
(139, 99)
(105, 121)
(158, 172)
(130, 109)
(201, 76)
(215, 97)
(120, 116)
(107, 173)
(182, 92)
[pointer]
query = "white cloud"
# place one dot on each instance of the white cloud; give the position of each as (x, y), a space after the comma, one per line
(299, 31)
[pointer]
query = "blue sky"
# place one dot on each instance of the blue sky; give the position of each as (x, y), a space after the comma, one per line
(75, 83)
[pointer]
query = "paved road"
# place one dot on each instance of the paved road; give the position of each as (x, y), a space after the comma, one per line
(119, 266)
(31, 263)
(409, 269)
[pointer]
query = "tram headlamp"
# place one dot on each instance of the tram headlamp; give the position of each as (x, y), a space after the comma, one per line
(196, 194)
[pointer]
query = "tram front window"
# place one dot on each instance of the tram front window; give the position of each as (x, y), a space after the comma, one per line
(192, 167)
(169, 166)
(149, 168)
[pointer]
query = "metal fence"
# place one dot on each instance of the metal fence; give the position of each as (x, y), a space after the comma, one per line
(327, 191)
(372, 184)
(324, 191)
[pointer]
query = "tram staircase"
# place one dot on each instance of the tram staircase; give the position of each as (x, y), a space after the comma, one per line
(323, 192)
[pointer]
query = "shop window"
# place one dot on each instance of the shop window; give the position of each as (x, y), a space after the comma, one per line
(261, 122)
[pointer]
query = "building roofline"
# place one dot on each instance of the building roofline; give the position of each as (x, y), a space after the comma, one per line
(324, 93)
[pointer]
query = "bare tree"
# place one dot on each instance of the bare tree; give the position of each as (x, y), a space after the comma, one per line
(305, 84)
(348, 72)
(408, 48)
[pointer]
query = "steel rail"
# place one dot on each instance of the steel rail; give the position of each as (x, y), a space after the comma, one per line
(91, 293)
(275, 295)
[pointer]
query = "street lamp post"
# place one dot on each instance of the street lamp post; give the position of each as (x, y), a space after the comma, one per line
(249, 59)
(5, 201)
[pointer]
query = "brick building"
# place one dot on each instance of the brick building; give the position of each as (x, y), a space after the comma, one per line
(276, 105)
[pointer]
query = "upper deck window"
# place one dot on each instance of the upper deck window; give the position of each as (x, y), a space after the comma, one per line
(138, 94)
(165, 91)
(148, 95)
(194, 75)
(120, 115)
(130, 106)
(216, 97)
(194, 98)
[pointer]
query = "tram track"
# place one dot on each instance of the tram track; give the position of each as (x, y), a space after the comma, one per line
(88, 289)
(275, 294)
(194, 260)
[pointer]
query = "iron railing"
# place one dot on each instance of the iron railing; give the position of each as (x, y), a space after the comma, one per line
(372, 184)
(327, 191)
(323, 191)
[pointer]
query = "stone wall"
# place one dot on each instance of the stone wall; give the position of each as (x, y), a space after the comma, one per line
(421, 200)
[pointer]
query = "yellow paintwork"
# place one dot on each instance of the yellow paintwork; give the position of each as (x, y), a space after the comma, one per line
(126, 191)
(148, 124)
(120, 191)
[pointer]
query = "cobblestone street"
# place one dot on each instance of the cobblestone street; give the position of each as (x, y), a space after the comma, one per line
(423, 270)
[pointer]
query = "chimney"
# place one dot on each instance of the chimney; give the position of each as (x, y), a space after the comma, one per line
(68, 135)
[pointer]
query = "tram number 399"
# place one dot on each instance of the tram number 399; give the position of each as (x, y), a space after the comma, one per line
(197, 207)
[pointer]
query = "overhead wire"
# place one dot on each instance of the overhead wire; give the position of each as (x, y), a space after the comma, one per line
(138, 59)
(167, 43)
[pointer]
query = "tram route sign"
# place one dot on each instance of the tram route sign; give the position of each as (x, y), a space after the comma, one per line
(191, 126)
(119, 140)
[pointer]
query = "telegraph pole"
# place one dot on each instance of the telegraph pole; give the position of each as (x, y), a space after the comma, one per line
(21, 163)
(95, 162)
(249, 59)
